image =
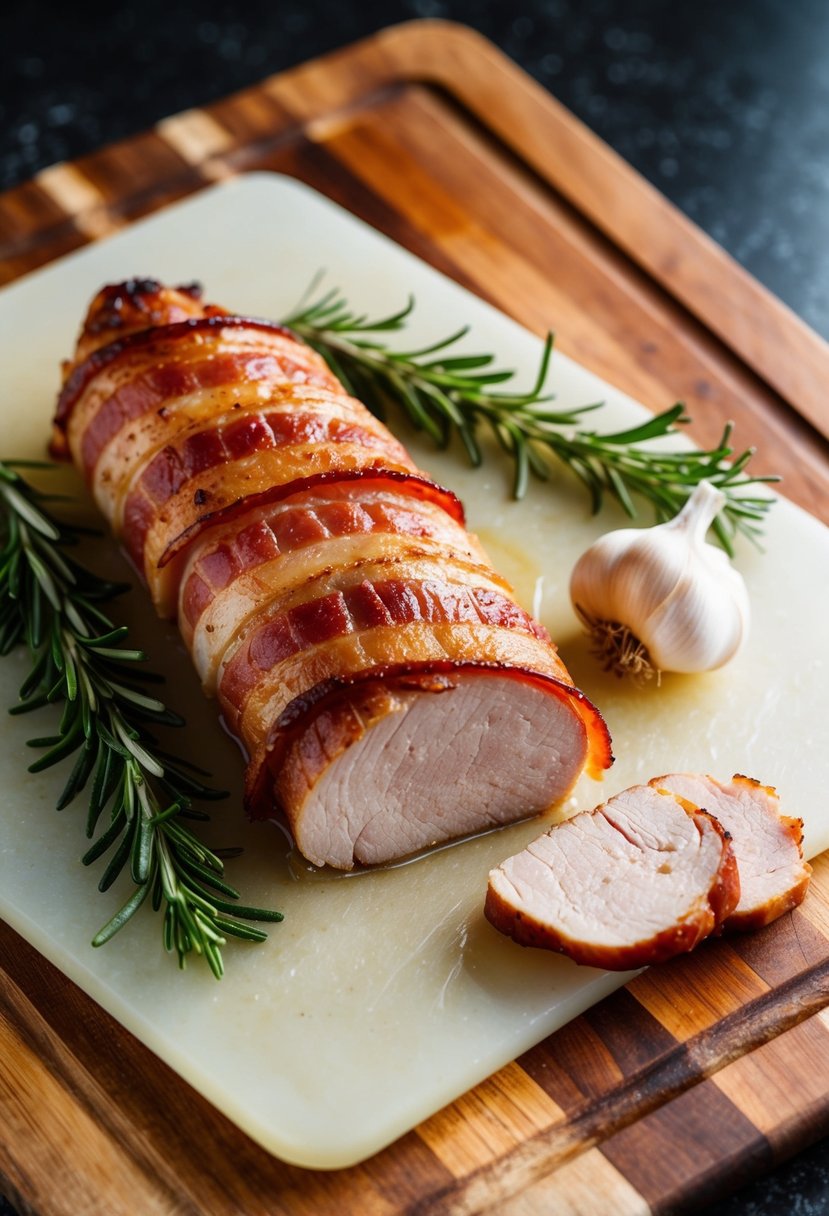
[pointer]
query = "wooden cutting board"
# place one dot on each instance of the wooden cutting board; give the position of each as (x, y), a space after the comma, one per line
(698, 1074)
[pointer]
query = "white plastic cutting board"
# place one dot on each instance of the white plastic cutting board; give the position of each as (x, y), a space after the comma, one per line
(382, 996)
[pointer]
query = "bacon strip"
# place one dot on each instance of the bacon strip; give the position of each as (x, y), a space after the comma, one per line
(160, 343)
(150, 394)
(231, 439)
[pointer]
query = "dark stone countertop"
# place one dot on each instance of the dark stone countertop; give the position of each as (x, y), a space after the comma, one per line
(723, 106)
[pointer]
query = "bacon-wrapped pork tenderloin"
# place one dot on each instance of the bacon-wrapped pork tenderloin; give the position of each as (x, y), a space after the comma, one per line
(389, 691)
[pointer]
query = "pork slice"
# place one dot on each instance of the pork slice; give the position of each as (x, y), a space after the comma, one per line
(641, 878)
(398, 769)
(768, 845)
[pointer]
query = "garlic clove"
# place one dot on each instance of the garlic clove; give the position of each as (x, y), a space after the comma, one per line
(661, 598)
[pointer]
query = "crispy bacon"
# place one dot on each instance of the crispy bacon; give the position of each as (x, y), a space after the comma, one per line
(158, 343)
(284, 527)
(232, 439)
(236, 572)
(328, 591)
(359, 609)
(151, 393)
(416, 485)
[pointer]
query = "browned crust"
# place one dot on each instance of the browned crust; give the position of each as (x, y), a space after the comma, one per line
(725, 893)
(527, 931)
(713, 907)
(84, 372)
(745, 922)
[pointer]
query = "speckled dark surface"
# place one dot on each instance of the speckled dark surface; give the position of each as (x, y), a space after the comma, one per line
(723, 104)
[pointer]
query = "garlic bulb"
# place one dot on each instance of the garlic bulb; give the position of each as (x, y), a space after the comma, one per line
(661, 598)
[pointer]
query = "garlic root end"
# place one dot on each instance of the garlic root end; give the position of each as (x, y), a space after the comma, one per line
(618, 649)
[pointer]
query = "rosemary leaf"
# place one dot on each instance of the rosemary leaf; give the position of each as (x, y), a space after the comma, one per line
(445, 394)
(79, 660)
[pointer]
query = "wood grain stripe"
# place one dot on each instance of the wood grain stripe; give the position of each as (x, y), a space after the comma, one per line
(632, 1035)
(591, 1056)
(642, 1092)
(175, 1143)
(696, 991)
(574, 1064)
(785, 948)
(489, 1121)
(252, 118)
(403, 1173)
(58, 1117)
(589, 1186)
(138, 175)
(79, 199)
(781, 1086)
(666, 1152)
(199, 140)
(816, 904)
(25, 214)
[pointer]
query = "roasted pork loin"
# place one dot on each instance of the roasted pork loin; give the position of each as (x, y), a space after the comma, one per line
(639, 879)
(768, 845)
(388, 690)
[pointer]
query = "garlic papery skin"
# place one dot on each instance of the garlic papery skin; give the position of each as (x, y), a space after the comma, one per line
(661, 598)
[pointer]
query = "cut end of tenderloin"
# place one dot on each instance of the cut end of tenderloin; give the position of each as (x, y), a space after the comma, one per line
(403, 766)
(768, 845)
(636, 881)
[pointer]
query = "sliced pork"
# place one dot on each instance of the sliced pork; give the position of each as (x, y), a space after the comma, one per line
(387, 688)
(641, 878)
(767, 844)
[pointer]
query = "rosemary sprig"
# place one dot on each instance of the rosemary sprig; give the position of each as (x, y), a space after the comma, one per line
(49, 603)
(448, 394)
